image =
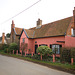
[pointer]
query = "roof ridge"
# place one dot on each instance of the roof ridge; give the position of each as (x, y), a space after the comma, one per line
(52, 22)
(58, 20)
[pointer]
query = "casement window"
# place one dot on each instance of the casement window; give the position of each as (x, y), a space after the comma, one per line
(56, 48)
(23, 40)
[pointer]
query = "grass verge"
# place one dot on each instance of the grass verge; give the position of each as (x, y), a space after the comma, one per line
(63, 67)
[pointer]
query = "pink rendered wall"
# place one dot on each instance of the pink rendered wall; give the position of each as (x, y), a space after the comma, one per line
(30, 44)
(69, 41)
(48, 41)
(23, 36)
(28, 41)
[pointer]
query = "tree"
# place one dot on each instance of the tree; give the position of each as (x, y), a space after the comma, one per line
(24, 47)
(8, 35)
(44, 50)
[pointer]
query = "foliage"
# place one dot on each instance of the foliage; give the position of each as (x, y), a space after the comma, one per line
(73, 53)
(44, 50)
(3, 46)
(24, 46)
(66, 55)
(8, 35)
(35, 56)
(13, 46)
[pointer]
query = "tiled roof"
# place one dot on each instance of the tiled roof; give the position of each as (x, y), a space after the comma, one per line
(18, 30)
(30, 33)
(56, 28)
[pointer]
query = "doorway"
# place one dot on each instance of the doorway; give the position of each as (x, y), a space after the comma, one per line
(36, 46)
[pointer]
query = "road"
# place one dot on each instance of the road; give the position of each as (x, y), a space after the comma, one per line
(14, 66)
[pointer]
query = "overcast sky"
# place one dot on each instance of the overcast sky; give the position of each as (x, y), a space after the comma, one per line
(47, 10)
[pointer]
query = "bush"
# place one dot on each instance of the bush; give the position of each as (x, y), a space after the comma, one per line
(73, 53)
(35, 56)
(67, 54)
(44, 50)
(3, 46)
(13, 46)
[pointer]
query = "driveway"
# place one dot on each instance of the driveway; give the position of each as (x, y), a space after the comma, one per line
(14, 66)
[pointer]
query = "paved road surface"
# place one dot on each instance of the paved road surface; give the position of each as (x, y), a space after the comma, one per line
(14, 66)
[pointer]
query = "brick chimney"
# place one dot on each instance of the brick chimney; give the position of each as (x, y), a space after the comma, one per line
(74, 17)
(39, 23)
(73, 27)
(3, 38)
(12, 30)
(12, 25)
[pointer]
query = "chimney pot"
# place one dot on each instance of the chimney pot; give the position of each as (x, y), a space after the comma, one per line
(12, 25)
(74, 8)
(12, 22)
(39, 23)
(74, 17)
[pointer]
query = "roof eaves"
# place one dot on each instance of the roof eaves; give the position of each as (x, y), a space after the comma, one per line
(25, 33)
(47, 36)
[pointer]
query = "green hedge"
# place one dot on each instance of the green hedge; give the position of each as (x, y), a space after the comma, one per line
(67, 54)
(3, 46)
(73, 53)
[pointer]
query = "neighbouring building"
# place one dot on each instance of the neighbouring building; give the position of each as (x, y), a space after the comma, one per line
(57, 34)
(15, 33)
(3, 39)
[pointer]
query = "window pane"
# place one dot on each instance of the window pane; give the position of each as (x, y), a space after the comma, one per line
(56, 49)
(23, 40)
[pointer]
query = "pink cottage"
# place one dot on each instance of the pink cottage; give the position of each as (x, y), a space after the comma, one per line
(57, 34)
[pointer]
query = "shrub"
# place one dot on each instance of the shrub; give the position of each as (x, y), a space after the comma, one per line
(13, 46)
(3, 46)
(73, 53)
(6, 50)
(35, 56)
(66, 55)
(44, 50)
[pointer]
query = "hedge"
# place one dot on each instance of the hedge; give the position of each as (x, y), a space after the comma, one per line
(67, 54)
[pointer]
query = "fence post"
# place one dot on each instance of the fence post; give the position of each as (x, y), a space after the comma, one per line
(17, 52)
(13, 51)
(21, 52)
(32, 53)
(71, 61)
(53, 58)
(41, 57)
(25, 53)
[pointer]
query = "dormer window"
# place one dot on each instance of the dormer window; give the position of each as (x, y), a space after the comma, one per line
(72, 32)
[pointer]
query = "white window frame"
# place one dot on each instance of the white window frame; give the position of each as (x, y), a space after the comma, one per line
(57, 47)
(72, 32)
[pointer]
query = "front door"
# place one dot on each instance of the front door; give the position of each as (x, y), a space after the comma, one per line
(36, 46)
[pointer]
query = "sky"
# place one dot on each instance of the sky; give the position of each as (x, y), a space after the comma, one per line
(47, 10)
